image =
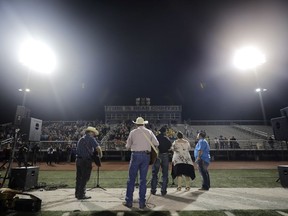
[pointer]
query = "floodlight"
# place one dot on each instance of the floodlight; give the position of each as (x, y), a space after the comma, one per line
(260, 90)
(248, 58)
(26, 90)
(37, 56)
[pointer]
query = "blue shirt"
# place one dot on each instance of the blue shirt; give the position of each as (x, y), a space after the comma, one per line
(204, 147)
(86, 146)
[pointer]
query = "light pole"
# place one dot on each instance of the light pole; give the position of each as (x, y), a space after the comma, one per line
(259, 91)
(25, 91)
(249, 58)
(37, 57)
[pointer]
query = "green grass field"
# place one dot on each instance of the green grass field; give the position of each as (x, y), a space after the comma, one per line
(117, 179)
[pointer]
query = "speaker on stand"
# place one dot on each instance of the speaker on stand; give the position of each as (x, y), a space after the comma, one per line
(31, 129)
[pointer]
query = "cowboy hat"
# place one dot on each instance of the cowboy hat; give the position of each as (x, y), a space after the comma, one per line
(140, 121)
(92, 129)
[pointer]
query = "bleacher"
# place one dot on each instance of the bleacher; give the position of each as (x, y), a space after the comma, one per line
(251, 138)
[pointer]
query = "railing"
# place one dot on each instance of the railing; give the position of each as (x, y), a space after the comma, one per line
(6, 142)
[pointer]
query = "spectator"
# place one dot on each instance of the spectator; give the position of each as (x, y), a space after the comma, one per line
(221, 142)
(58, 154)
(271, 142)
(68, 153)
(225, 143)
(216, 143)
(233, 142)
(50, 152)
(35, 150)
(23, 155)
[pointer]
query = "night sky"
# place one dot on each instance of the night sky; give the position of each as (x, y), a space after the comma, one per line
(174, 52)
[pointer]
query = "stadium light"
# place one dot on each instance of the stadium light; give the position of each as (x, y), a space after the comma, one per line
(249, 57)
(37, 56)
(25, 91)
(260, 90)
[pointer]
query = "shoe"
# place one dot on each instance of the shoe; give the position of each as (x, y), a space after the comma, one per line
(84, 197)
(187, 189)
(178, 188)
(203, 189)
(128, 205)
(163, 193)
(153, 192)
(142, 206)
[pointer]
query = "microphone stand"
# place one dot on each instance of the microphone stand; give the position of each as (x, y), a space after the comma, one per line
(98, 164)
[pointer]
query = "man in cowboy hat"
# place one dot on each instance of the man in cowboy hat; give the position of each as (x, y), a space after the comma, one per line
(139, 141)
(86, 145)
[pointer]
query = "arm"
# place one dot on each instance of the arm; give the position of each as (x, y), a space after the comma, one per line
(99, 151)
(200, 152)
(129, 142)
(154, 139)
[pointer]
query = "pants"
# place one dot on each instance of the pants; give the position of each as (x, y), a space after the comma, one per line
(139, 162)
(83, 172)
(163, 162)
(203, 170)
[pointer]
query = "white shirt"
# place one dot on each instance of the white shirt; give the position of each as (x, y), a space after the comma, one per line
(138, 142)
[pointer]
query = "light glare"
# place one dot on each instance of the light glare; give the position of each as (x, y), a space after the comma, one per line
(37, 56)
(248, 58)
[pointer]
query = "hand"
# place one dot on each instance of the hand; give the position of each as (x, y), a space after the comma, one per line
(100, 154)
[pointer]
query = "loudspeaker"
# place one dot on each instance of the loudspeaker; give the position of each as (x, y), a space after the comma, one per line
(23, 178)
(284, 111)
(280, 128)
(31, 129)
(283, 175)
(21, 113)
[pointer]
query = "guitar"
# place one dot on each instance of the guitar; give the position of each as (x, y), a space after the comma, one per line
(96, 159)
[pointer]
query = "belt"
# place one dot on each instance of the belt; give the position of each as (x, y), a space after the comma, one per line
(141, 152)
(84, 158)
(164, 153)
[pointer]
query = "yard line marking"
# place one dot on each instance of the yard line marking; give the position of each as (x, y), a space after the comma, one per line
(174, 213)
(120, 213)
(228, 213)
(282, 213)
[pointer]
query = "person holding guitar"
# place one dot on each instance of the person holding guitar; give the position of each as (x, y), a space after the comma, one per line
(86, 145)
(139, 142)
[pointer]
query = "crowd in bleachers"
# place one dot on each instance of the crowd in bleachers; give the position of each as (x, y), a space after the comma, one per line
(70, 131)
(62, 136)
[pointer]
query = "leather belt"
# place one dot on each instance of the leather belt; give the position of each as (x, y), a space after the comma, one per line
(141, 152)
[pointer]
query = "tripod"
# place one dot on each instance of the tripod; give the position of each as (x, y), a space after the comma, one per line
(97, 184)
(10, 160)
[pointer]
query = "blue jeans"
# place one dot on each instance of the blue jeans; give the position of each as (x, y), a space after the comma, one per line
(203, 170)
(139, 161)
(163, 162)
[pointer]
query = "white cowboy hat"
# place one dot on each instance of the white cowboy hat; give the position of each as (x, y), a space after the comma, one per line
(140, 121)
(92, 129)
